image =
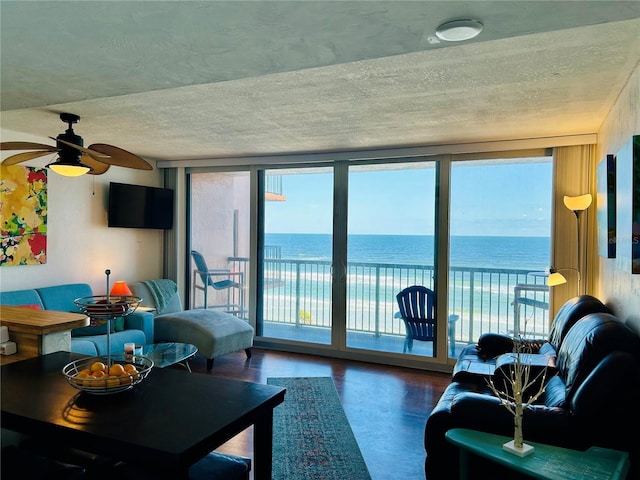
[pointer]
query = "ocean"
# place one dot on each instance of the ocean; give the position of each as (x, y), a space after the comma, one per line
(529, 253)
(483, 302)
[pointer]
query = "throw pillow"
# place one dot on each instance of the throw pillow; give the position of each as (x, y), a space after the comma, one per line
(491, 345)
(118, 324)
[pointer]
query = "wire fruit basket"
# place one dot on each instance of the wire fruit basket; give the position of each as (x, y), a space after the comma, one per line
(108, 307)
(113, 373)
(92, 375)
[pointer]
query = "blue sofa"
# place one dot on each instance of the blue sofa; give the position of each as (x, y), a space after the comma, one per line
(91, 340)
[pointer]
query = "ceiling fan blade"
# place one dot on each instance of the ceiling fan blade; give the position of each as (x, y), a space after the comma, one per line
(26, 146)
(82, 149)
(23, 157)
(120, 157)
(98, 168)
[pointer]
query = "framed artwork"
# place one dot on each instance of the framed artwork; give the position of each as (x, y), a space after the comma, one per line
(23, 213)
(628, 206)
(606, 206)
(635, 219)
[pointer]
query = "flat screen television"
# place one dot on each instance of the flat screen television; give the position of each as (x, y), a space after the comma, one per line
(138, 206)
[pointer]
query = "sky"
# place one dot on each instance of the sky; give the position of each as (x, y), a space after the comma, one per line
(486, 199)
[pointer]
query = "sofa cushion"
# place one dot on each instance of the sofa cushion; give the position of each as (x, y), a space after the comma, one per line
(21, 298)
(587, 343)
(555, 394)
(118, 339)
(573, 310)
(83, 346)
(491, 345)
(61, 297)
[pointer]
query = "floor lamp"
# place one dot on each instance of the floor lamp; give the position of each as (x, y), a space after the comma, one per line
(577, 205)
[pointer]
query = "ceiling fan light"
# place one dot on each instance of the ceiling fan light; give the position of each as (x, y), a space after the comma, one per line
(67, 168)
(459, 30)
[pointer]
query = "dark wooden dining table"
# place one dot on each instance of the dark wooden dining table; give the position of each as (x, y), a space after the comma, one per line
(170, 420)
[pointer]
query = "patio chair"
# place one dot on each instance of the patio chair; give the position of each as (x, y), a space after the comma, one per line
(417, 309)
(207, 277)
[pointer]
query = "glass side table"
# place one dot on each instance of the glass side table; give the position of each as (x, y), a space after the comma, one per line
(166, 354)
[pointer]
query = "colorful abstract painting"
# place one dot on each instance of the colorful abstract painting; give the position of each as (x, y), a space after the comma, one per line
(23, 213)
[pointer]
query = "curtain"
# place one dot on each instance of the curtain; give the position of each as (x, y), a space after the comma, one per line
(572, 177)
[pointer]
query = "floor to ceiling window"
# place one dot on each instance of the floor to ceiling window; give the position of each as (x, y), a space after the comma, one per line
(219, 220)
(297, 276)
(499, 246)
(390, 246)
(339, 240)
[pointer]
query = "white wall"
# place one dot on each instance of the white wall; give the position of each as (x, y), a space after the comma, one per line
(620, 289)
(80, 246)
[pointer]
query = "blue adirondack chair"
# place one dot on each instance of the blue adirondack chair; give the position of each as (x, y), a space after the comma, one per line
(417, 306)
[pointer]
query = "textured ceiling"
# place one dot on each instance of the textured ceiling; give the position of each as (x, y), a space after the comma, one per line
(199, 80)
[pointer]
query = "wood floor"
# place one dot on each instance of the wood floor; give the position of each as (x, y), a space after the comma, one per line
(386, 406)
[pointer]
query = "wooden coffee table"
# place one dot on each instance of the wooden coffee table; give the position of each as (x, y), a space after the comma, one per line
(172, 353)
(37, 332)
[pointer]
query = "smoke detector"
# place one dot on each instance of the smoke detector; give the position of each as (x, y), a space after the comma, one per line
(459, 30)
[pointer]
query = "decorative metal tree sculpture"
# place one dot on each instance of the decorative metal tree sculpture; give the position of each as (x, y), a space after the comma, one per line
(512, 395)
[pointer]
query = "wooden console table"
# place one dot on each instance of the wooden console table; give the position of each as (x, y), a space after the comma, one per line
(546, 462)
(37, 332)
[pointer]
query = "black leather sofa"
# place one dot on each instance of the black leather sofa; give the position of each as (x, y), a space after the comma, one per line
(476, 361)
(591, 400)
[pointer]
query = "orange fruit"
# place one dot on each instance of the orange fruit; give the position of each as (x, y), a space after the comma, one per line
(113, 382)
(116, 370)
(99, 374)
(130, 368)
(92, 381)
(99, 383)
(126, 380)
(98, 367)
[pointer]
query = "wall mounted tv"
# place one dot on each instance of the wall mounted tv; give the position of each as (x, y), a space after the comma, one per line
(137, 206)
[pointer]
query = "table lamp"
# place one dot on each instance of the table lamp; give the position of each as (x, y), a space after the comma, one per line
(120, 288)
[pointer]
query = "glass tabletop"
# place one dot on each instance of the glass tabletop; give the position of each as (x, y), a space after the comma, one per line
(165, 354)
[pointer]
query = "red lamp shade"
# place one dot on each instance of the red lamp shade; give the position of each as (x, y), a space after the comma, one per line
(120, 288)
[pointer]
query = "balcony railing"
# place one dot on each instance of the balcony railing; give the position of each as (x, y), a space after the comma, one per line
(298, 293)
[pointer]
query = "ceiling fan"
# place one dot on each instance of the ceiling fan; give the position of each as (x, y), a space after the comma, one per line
(73, 158)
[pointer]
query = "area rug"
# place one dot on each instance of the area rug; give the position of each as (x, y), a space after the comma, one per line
(312, 438)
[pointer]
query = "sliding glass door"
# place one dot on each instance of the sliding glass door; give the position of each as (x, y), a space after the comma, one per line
(335, 243)
(390, 246)
(499, 246)
(297, 255)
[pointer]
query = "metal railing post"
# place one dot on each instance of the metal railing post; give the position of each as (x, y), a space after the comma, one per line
(377, 307)
(297, 312)
(471, 300)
